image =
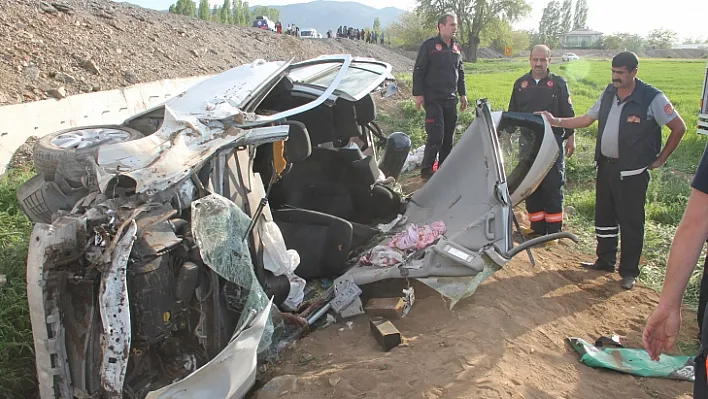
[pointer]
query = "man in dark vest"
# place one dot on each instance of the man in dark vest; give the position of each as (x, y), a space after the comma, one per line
(438, 77)
(541, 90)
(628, 145)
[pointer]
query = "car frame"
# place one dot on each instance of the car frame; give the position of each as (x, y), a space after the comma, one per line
(201, 156)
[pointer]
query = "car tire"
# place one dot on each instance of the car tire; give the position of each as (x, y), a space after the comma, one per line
(50, 149)
(40, 199)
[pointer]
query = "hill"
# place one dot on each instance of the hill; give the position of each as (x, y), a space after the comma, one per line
(92, 45)
(323, 15)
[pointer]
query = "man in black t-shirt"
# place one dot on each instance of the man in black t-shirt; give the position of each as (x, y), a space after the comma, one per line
(662, 329)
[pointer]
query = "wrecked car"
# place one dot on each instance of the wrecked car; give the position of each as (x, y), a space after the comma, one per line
(171, 253)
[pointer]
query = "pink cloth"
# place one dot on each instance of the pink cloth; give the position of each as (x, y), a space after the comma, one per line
(417, 237)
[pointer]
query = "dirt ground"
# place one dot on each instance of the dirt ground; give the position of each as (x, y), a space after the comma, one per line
(506, 341)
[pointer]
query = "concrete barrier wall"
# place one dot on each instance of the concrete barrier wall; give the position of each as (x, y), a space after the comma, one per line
(21, 121)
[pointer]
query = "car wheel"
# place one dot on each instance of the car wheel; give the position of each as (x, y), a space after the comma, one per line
(66, 143)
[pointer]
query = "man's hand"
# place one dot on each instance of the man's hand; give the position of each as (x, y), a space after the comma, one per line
(463, 103)
(657, 164)
(551, 119)
(418, 102)
(570, 146)
(661, 331)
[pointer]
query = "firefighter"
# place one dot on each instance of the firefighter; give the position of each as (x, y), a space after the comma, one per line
(628, 145)
(541, 90)
(438, 76)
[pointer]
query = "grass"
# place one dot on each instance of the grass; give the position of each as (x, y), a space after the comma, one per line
(680, 80)
(17, 369)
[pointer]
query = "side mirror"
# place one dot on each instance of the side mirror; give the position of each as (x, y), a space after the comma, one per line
(297, 146)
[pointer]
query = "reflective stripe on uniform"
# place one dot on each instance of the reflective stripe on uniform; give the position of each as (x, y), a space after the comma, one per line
(537, 217)
(606, 232)
(554, 217)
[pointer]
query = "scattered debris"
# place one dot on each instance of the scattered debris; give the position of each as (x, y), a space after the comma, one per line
(635, 361)
(64, 78)
(386, 334)
(90, 65)
(58, 92)
(334, 381)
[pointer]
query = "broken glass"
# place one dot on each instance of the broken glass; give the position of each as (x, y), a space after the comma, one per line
(218, 226)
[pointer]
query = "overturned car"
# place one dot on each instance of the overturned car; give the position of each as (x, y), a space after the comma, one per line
(172, 253)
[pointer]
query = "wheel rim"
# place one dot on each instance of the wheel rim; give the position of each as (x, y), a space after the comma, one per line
(84, 138)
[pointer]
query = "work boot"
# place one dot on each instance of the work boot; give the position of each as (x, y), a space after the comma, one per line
(598, 266)
(627, 282)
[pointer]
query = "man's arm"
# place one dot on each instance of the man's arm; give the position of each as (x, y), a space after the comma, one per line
(513, 102)
(665, 114)
(662, 329)
(461, 88)
(568, 123)
(420, 69)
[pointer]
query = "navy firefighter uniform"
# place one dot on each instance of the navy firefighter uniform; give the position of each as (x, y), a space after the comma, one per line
(545, 205)
(439, 76)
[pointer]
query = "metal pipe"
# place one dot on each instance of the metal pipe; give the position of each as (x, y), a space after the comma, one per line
(540, 240)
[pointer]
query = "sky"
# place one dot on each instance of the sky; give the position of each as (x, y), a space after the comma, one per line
(607, 16)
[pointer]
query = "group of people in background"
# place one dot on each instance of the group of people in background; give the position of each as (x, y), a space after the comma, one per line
(347, 32)
(362, 34)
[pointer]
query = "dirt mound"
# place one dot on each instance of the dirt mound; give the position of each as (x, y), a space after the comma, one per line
(59, 48)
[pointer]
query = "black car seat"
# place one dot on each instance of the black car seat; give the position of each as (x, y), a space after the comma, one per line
(323, 241)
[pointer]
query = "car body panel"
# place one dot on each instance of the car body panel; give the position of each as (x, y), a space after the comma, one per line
(469, 194)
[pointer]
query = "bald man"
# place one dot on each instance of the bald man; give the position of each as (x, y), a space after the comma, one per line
(540, 90)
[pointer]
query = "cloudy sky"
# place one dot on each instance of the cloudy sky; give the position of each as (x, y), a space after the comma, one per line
(608, 16)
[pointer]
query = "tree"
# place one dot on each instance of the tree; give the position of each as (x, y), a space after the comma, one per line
(662, 38)
(612, 42)
(377, 25)
(473, 16)
(246, 13)
(409, 30)
(581, 14)
(226, 12)
(237, 12)
(567, 19)
(216, 14)
(184, 7)
(551, 26)
(204, 13)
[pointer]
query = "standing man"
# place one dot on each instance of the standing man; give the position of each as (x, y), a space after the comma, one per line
(662, 329)
(628, 145)
(540, 90)
(438, 76)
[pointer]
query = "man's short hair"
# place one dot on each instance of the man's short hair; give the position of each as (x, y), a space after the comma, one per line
(626, 59)
(543, 47)
(443, 18)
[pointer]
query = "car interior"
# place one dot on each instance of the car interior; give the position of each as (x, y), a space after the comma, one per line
(324, 203)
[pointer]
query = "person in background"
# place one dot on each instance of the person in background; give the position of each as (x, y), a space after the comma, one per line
(541, 90)
(438, 77)
(663, 325)
(628, 145)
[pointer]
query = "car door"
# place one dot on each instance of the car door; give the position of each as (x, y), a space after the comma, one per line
(474, 191)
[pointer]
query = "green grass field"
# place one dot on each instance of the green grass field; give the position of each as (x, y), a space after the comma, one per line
(680, 80)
